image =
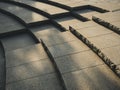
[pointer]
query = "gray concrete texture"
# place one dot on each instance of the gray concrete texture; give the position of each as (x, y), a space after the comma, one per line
(26, 15)
(28, 65)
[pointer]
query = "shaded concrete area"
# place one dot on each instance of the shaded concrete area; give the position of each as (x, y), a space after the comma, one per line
(66, 21)
(2, 67)
(30, 68)
(17, 41)
(25, 14)
(9, 27)
(48, 56)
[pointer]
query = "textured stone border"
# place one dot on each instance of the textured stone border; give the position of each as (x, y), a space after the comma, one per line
(106, 24)
(3, 75)
(62, 82)
(106, 60)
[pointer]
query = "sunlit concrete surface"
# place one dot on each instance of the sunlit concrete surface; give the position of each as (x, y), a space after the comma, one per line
(43, 6)
(39, 51)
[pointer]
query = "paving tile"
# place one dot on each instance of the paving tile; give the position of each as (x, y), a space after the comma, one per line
(17, 41)
(113, 53)
(5, 26)
(107, 40)
(47, 30)
(27, 64)
(45, 7)
(45, 82)
(108, 6)
(58, 38)
(72, 3)
(28, 70)
(84, 25)
(94, 31)
(77, 4)
(78, 61)
(113, 18)
(25, 55)
(117, 24)
(67, 21)
(28, 17)
(109, 17)
(96, 78)
(67, 48)
(87, 13)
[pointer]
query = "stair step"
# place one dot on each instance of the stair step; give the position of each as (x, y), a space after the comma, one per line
(25, 55)
(43, 6)
(26, 15)
(17, 41)
(100, 77)
(7, 26)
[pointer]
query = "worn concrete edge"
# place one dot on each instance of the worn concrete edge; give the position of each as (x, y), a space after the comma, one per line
(97, 51)
(59, 74)
(106, 24)
(21, 22)
(4, 69)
